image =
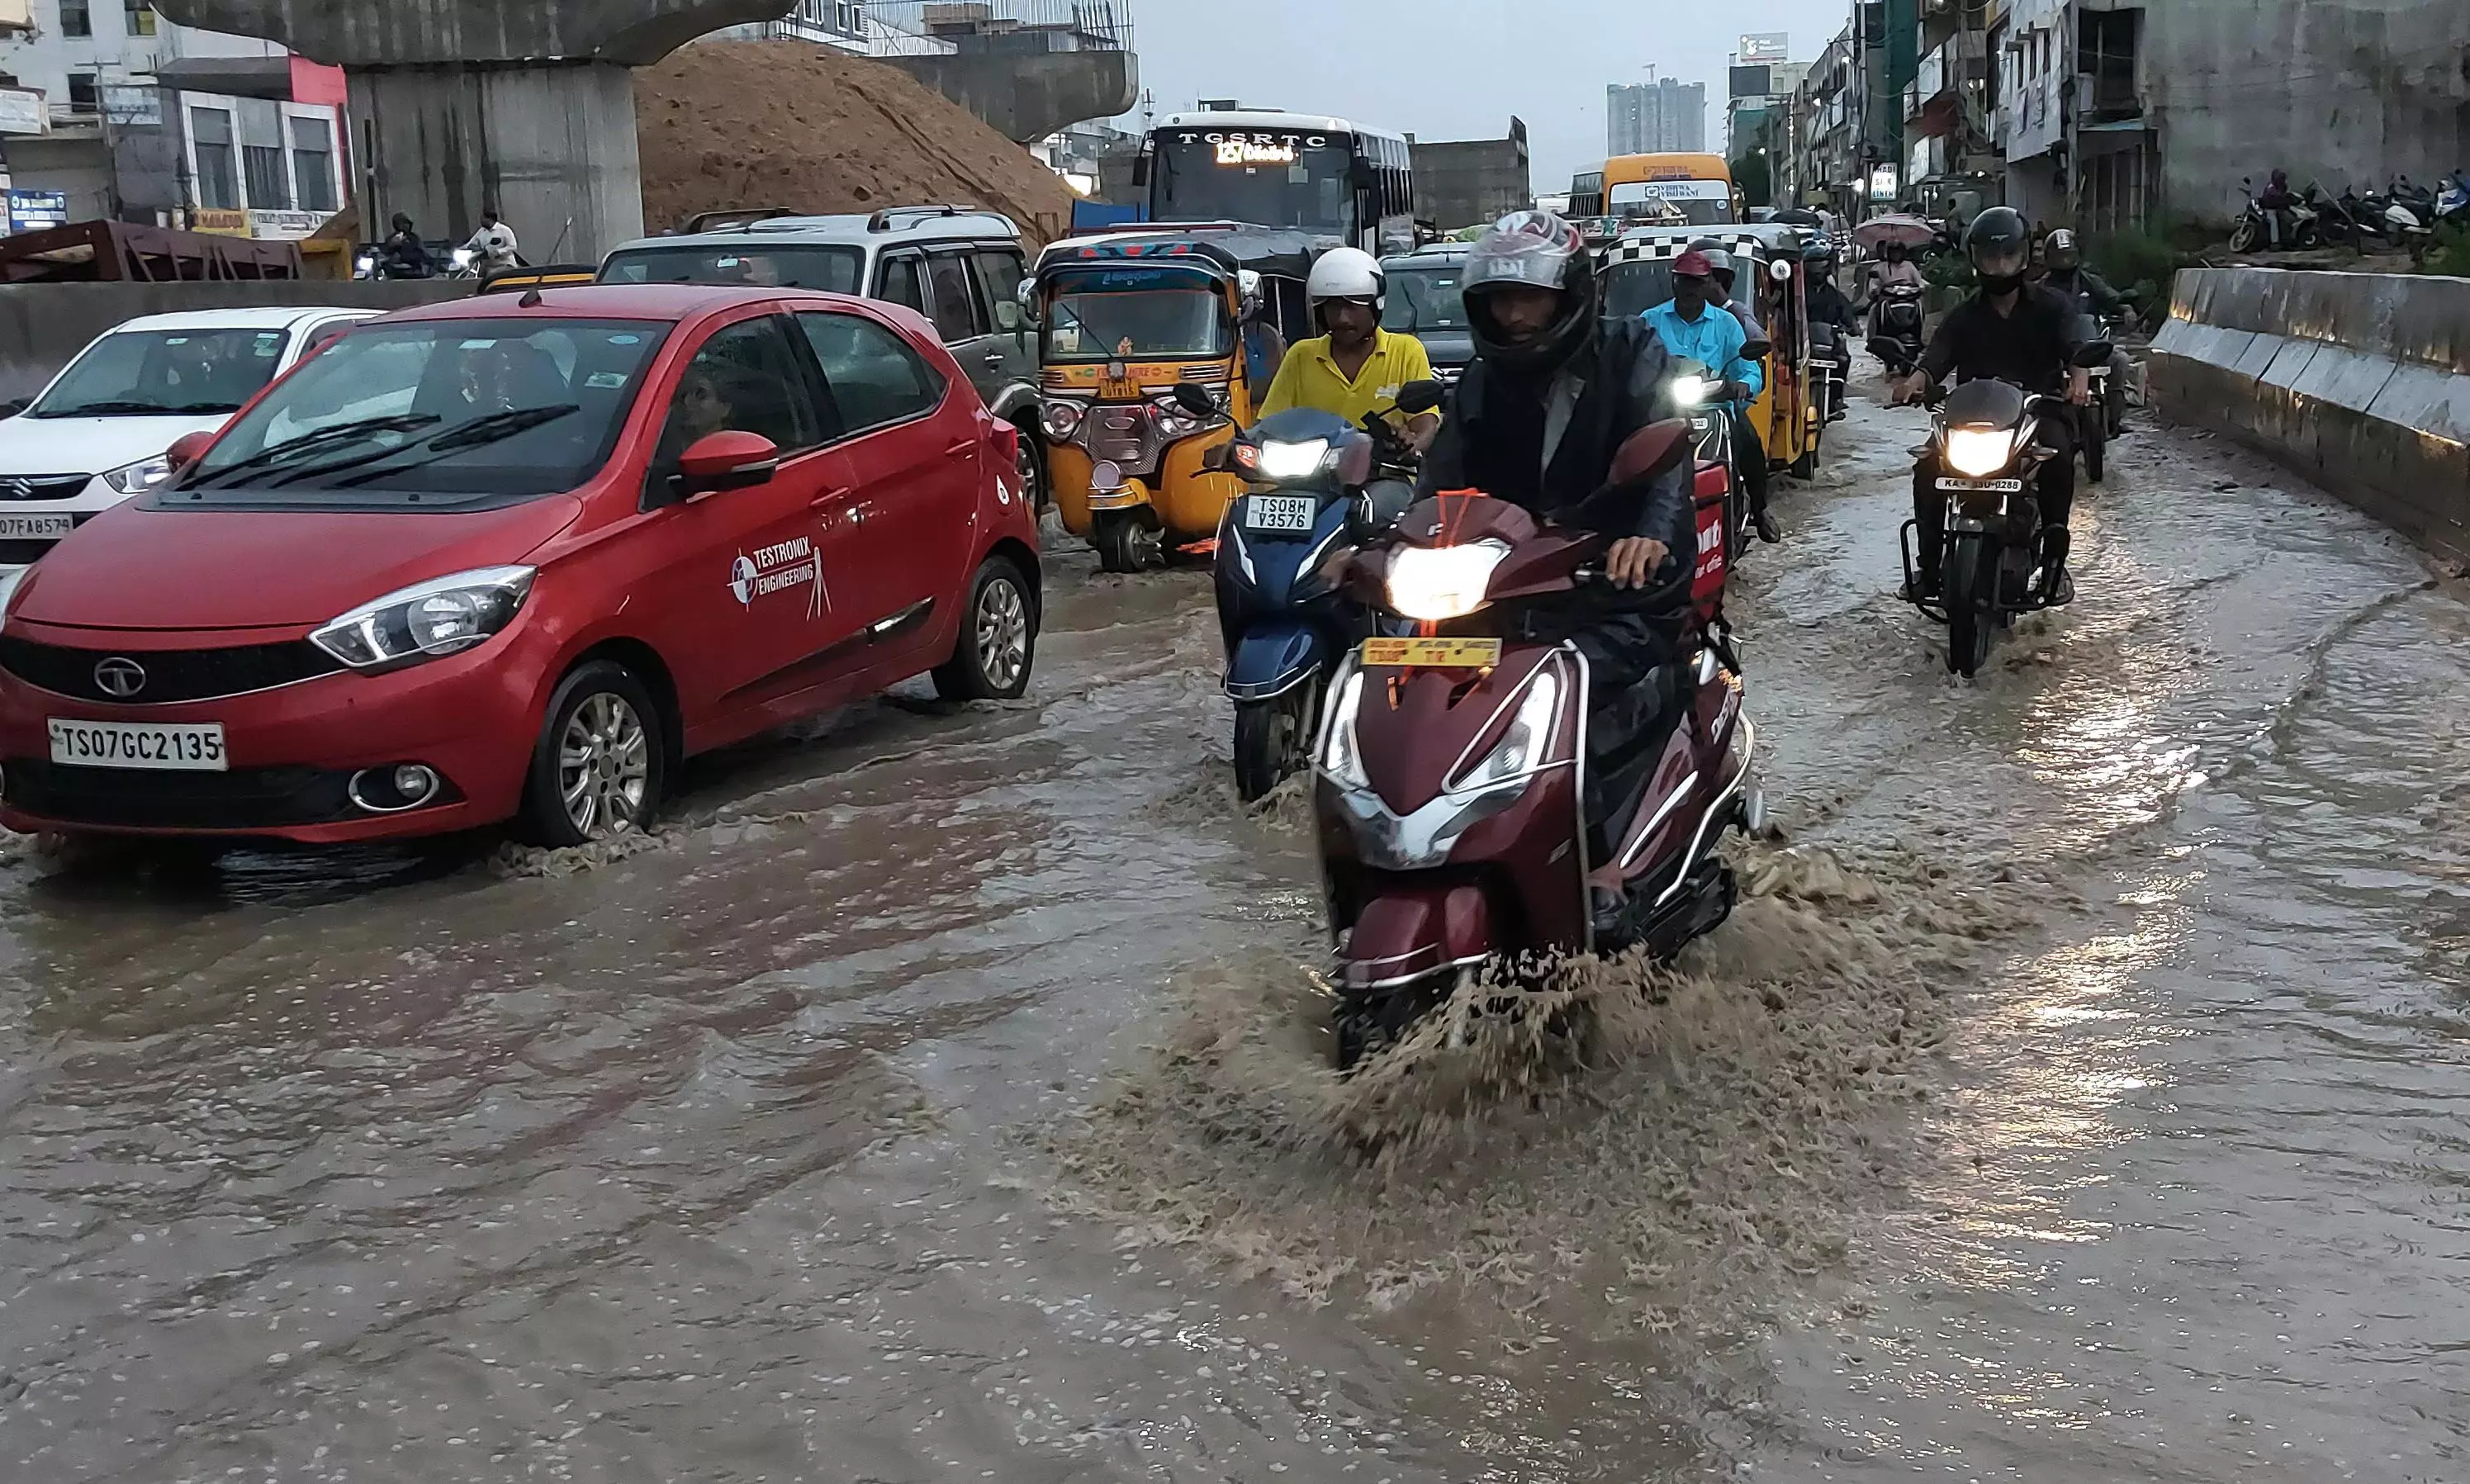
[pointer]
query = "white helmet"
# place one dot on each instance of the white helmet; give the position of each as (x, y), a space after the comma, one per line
(1347, 273)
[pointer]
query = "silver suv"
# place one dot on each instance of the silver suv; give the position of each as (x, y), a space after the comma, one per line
(960, 267)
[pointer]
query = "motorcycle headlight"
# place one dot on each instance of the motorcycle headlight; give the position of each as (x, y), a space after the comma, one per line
(428, 621)
(1690, 391)
(365, 265)
(1979, 452)
(462, 257)
(1339, 757)
(1281, 462)
(1433, 582)
(1521, 747)
(145, 475)
(1060, 420)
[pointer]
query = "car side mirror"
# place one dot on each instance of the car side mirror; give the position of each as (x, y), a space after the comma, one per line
(14, 405)
(187, 449)
(1195, 400)
(729, 460)
(1418, 398)
(1026, 298)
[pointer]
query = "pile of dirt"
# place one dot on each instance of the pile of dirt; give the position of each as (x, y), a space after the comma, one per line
(743, 124)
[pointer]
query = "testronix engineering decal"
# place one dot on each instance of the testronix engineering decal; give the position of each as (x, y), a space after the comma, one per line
(779, 568)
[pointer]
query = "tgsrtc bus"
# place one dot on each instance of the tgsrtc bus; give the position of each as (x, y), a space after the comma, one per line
(1323, 177)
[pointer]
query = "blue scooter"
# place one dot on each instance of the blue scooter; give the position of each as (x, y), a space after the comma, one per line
(1319, 487)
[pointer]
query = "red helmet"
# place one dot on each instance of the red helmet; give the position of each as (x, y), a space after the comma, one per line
(1692, 263)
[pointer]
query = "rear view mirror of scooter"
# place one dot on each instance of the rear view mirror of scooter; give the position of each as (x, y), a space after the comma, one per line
(1756, 350)
(1886, 348)
(1418, 398)
(2092, 355)
(1195, 400)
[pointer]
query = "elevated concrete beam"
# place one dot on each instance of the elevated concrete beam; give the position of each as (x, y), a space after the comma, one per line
(374, 32)
(1026, 98)
(523, 105)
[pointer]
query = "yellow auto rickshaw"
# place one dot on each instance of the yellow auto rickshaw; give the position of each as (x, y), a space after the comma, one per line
(1790, 413)
(1122, 322)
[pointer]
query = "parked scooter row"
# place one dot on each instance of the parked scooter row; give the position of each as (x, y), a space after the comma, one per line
(2404, 217)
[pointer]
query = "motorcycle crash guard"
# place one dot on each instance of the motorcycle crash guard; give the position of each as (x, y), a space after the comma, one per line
(1413, 932)
(1272, 658)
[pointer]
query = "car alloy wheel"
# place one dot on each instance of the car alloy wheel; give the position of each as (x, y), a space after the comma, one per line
(1002, 632)
(604, 767)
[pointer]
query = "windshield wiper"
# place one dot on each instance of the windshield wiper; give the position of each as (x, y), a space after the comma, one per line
(341, 433)
(496, 428)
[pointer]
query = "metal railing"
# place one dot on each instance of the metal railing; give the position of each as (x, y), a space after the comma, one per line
(1073, 25)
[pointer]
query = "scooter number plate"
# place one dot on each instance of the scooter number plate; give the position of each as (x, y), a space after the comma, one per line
(1279, 512)
(1432, 654)
(1984, 486)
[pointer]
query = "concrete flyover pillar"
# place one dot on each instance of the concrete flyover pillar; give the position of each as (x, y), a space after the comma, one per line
(520, 105)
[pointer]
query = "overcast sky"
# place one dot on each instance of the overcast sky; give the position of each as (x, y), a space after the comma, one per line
(1457, 69)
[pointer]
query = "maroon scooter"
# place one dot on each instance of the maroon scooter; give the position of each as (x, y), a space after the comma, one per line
(1450, 773)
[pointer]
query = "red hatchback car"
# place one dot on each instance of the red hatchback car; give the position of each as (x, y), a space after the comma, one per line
(513, 560)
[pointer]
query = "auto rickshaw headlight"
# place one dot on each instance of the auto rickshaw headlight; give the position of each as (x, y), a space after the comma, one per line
(1061, 419)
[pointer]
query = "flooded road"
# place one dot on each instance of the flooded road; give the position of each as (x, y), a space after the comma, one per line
(2080, 1092)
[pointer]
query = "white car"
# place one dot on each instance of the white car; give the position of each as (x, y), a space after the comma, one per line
(99, 433)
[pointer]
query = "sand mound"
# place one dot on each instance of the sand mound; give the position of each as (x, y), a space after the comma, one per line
(741, 124)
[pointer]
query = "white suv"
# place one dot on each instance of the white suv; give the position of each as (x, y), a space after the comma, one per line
(99, 433)
(959, 266)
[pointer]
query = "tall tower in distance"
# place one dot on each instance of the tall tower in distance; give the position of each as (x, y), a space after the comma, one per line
(1655, 118)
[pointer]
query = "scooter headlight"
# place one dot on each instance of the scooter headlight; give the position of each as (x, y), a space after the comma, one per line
(1978, 453)
(1691, 391)
(1281, 462)
(1339, 757)
(1433, 582)
(1521, 747)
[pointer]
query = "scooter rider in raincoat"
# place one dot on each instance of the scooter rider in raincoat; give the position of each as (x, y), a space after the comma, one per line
(1690, 325)
(1554, 392)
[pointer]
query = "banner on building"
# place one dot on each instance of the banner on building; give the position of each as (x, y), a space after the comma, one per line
(1768, 46)
(22, 111)
(220, 222)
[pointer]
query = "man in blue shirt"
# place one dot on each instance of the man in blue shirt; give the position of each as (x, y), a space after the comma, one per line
(1691, 324)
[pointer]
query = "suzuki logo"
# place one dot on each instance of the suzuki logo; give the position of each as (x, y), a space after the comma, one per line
(118, 678)
(16, 489)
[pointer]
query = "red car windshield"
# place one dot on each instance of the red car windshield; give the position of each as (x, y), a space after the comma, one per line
(481, 409)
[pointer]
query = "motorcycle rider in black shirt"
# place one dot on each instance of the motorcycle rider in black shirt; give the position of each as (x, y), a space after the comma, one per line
(1554, 392)
(2015, 332)
(2091, 292)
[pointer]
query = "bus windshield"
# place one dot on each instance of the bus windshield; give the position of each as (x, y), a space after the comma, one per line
(1704, 202)
(1136, 313)
(1271, 177)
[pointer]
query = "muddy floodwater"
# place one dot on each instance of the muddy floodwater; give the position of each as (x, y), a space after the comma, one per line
(2080, 1093)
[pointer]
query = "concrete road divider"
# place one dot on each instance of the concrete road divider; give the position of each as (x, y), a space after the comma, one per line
(2358, 380)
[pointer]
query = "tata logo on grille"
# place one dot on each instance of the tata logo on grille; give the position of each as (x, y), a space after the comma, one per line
(118, 678)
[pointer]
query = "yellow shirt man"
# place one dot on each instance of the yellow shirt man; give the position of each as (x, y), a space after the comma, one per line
(1310, 378)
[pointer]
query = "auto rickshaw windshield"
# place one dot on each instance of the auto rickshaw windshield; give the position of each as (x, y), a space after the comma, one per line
(1632, 289)
(1150, 313)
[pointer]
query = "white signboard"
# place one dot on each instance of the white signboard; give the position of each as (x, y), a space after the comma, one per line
(285, 226)
(1672, 190)
(136, 108)
(22, 111)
